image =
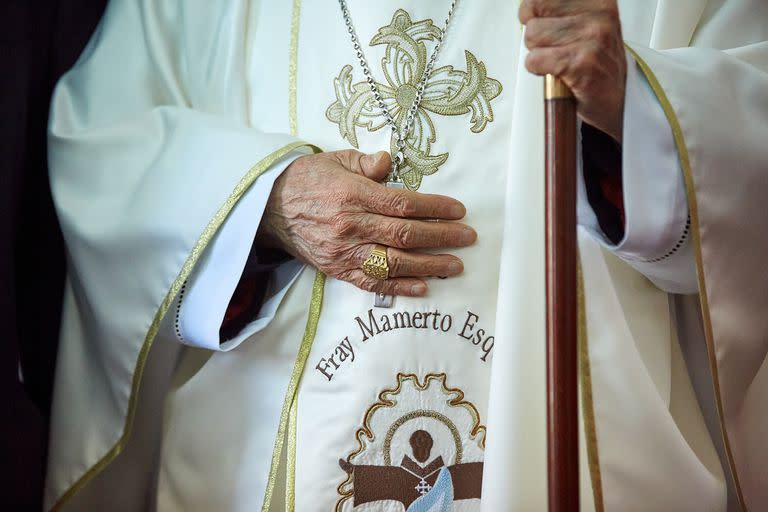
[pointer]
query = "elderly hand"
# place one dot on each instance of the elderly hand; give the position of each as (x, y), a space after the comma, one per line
(329, 210)
(580, 42)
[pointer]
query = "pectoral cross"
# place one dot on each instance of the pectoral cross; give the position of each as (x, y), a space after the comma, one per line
(381, 300)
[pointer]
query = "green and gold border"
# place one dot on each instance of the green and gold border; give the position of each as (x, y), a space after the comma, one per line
(685, 163)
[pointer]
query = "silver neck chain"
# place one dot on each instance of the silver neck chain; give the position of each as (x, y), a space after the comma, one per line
(401, 135)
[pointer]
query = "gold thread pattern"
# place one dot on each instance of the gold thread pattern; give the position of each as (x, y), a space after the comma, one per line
(293, 123)
(587, 404)
(293, 58)
(448, 92)
(186, 269)
(290, 469)
(387, 399)
(685, 163)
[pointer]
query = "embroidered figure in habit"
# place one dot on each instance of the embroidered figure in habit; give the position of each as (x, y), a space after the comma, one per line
(421, 444)
(449, 92)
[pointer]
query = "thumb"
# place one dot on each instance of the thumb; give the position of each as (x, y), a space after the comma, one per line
(375, 166)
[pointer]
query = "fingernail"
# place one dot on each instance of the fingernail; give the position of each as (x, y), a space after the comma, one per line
(468, 235)
(454, 268)
(457, 211)
(418, 289)
(375, 158)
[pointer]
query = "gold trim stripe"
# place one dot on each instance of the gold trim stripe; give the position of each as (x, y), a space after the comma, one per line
(587, 404)
(290, 468)
(313, 319)
(194, 256)
(293, 123)
(685, 163)
(293, 58)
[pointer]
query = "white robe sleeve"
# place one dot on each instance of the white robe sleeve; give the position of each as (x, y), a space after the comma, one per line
(716, 101)
(199, 310)
(657, 227)
(149, 159)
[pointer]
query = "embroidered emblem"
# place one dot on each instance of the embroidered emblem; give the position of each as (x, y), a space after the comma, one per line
(421, 444)
(449, 92)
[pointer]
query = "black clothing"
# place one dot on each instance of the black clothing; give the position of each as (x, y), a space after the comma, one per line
(39, 40)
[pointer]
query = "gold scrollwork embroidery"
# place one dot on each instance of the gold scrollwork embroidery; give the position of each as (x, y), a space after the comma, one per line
(448, 92)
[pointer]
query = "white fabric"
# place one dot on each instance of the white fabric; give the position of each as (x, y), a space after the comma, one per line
(518, 366)
(655, 206)
(726, 69)
(211, 285)
(235, 426)
(142, 158)
(614, 348)
(131, 216)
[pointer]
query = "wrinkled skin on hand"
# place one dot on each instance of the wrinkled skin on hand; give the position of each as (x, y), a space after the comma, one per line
(330, 209)
(580, 42)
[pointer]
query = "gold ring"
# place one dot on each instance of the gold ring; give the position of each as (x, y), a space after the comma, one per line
(376, 265)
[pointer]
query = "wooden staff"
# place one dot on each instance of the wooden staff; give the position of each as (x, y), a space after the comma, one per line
(562, 362)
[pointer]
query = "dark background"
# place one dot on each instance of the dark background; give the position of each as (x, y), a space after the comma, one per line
(39, 41)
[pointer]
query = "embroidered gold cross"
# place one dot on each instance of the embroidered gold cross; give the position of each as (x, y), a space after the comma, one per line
(449, 92)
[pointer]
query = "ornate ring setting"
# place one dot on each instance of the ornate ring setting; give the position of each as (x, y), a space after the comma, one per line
(376, 265)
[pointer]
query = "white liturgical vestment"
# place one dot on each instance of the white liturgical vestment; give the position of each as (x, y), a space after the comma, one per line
(166, 138)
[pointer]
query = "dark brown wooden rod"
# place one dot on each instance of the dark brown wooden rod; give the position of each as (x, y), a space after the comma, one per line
(562, 352)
